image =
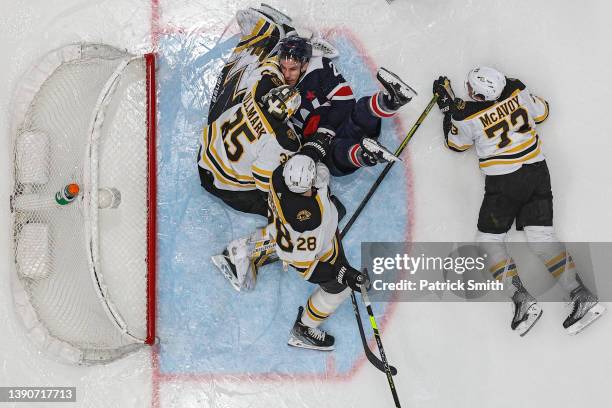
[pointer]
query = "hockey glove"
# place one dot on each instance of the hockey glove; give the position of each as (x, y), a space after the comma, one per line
(317, 146)
(347, 275)
(446, 96)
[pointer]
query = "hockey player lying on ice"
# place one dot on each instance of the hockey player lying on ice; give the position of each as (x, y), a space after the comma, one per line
(303, 233)
(500, 120)
(242, 145)
(248, 133)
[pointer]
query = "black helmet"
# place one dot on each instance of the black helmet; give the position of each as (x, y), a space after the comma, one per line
(295, 48)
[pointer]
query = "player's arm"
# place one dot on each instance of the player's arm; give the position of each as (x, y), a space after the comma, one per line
(336, 104)
(538, 107)
(456, 133)
(457, 136)
(267, 82)
(269, 156)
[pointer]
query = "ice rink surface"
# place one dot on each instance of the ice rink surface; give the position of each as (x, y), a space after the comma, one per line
(218, 348)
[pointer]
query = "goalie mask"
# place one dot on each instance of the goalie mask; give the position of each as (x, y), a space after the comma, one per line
(300, 173)
(282, 102)
(485, 84)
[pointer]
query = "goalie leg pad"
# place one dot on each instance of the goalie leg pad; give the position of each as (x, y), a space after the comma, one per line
(236, 262)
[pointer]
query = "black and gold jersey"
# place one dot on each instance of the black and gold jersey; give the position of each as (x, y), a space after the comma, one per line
(503, 131)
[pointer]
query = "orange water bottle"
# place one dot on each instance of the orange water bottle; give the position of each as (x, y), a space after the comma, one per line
(67, 194)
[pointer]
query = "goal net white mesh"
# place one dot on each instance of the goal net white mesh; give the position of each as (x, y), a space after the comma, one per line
(84, 273)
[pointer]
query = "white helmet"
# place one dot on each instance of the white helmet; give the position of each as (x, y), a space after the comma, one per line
(300, 173)
(485, 84)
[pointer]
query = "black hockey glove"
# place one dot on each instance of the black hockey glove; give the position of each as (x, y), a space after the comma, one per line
(317, 146)
(347, 275)
(446, 96)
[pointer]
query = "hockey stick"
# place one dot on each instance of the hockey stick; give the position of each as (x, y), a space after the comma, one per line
(387, 168)
(381, 350)
(376, 362)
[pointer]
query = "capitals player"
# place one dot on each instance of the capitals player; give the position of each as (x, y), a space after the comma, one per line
(501, 122)
(303, 233)
(328, 106)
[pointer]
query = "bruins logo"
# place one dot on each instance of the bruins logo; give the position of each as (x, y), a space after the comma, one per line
(291, 134)
(303, 215)
(459, 104)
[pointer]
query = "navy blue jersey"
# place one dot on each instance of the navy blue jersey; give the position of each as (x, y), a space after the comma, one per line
(327, 99)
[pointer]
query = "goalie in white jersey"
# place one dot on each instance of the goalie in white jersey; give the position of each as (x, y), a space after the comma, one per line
(500, 122)
(303, 233)
(248, 133)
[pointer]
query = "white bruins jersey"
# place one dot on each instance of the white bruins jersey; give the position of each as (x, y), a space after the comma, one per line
(244, 145)
(503, 131)
(304, 228)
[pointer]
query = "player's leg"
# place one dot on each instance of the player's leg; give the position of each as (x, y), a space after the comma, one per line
(240, 260)
(536, 218)
(355, 144)
(500, 205)
(320, 305)
(260, 35)
(252, 201)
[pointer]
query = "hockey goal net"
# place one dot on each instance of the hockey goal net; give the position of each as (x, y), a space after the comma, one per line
(85, 269)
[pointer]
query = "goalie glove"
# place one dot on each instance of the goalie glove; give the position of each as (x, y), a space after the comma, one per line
(442, 87)
(351, 277)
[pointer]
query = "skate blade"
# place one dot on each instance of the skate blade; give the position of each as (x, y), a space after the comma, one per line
(388, 76)
(593, 314)
(294, 342)
(221, 264)
(534, 313)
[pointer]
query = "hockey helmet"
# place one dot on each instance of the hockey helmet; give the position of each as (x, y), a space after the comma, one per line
(300, 173)
(485, 84)
(282, 102)
(295, 48)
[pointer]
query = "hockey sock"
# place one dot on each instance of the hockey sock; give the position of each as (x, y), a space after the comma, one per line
(499, 263)
(558, 261)
(321, 305)
(379, 105)
(357, 157)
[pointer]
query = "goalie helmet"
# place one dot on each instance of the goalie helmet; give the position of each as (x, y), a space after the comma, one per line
(485, 84)
(282, 102)
(300, 173)
(295, 48)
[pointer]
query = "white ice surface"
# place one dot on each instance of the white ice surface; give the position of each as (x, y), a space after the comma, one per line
(460, 355)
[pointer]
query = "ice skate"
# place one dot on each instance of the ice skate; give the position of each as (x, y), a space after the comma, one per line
(375, 149)
(526, 312)
(398, 93)
(309, 337)
(237, 266)
(585, 310)
(227, 268)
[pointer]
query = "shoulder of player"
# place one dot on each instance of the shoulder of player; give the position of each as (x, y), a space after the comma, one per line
(285, 135)
(466, 109)
(300, 212)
